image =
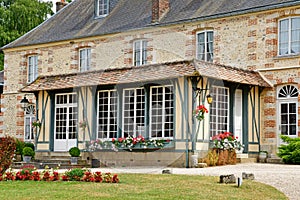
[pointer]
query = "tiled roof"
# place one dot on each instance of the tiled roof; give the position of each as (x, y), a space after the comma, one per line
(77, 19)
(147, 73)
(230, 74)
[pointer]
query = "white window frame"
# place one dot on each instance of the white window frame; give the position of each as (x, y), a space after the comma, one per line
(161, 119)
(216, 107)
(85, 59)
(32, 72)
(140, 52)
(136, 128)
(112, 107)
(289, 40)
(287, 94)
(102, 8)
(67, 120)
(206, 46)
(28, 119)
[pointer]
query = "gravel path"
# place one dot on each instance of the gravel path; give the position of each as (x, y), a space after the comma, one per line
(285, 178)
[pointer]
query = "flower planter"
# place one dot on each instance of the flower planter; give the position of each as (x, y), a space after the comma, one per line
(225, 156)
(74, 160)
(26, 159)
(262, 156)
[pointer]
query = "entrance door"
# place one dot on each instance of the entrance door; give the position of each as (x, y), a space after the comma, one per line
(66, 112)
(238, 115)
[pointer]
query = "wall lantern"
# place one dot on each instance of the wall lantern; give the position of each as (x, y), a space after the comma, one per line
(209, 99)
(24, 103)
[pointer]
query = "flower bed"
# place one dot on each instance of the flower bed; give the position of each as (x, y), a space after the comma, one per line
(29, 173)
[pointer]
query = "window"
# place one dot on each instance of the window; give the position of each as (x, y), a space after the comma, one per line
(205, 46)
(29, 118)
(161, 111)
(289, 36)
(219, 111)
(102, 8)
(134, 112)
(32, 68)
(107, 114)
(140, 53)
(288, 110)
(288, 91)
(85, 59)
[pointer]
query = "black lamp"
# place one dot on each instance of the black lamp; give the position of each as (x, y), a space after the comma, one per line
(209, 99)
(24, 103)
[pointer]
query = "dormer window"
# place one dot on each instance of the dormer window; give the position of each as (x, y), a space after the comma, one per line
(85, 59)
(102, 8)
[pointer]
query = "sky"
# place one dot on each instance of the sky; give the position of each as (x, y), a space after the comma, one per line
(53, 2)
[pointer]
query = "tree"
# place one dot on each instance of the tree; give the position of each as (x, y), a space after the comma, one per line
(17, 17)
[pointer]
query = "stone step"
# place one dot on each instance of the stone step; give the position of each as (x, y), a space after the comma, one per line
(275, 160)
(246, 160)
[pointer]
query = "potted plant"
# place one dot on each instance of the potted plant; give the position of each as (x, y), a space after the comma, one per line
(75, 153)
(19, 150)
(262, 156)
(28, 154)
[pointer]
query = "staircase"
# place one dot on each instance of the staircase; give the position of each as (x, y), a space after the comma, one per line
(53, 160)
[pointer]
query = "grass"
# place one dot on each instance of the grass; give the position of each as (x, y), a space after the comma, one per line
(140, 186)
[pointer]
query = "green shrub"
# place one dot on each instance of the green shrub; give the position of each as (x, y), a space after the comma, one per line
(28, 151)
(75, 174)
(29, 144)
(74, 152)
(290, 152)
(19, 147)
(7, 150)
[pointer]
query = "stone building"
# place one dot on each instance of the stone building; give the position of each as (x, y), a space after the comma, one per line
(142, 67)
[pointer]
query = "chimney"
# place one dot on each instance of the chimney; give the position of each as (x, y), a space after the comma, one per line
(159, 9)
(60, 5)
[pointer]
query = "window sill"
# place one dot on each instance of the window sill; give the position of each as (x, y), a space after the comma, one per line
(289, 56)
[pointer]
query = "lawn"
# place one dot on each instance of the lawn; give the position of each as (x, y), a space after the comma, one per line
(140, 186)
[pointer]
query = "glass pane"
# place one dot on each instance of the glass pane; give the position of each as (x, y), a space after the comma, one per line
(292, 119)
(284, 129)
(296, 23)
(292, 108)
(292, 129)
(284, 108)
(284, 119)
(284, 25)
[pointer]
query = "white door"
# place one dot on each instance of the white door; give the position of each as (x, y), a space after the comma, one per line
(66, 113)
(238, 115)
